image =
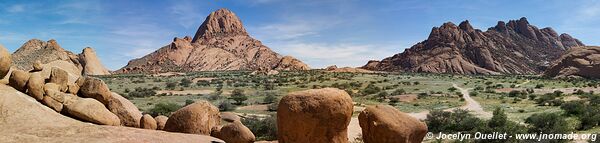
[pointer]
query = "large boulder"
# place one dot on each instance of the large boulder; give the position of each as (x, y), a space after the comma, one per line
(577, 62)
(91, 110)
(35, 86)
(60, 77)
(29, 122)
(196, 118)
(95, 88)
(50, 102)
(386, 124)
(229, 116)
(127, 112)
(147, 122)
(161, 121)
(18, 80)
(235, 132)
(5, 61)
(315, 116)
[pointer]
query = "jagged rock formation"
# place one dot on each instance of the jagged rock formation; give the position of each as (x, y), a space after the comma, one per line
(51, 54)
(334, 68)
(23, 119)
(577, 62)
(91, 63)
(221, 43)
(515, 47)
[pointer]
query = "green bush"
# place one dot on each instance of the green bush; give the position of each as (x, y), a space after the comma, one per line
(549, 123)
(164, 109)
(270, 98)
(238, 96)
(185, 82)
(263, 129)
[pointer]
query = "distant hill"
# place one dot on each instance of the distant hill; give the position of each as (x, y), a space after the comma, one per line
(221, 43)
(515, 47)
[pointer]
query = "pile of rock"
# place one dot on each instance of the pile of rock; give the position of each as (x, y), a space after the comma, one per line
(323, 115)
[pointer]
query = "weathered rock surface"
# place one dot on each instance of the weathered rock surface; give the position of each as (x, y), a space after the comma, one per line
(147, 122)
(35, 52)
(59, 77)
(91, 63)
(515, 47)
(161, 121)
(53, 104)
(230, 117)
(26, 120)
(127, 112)
(316, 116)
(91, 110)
(35, 86)
(221, 43)
(577, 62)
(196, 118)
(235, 132)
(5, 61)
(385, 124)
(97, 89)
(18, 80)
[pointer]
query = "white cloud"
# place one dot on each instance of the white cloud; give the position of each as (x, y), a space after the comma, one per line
(16, 8)
(139, 39)
(186, 13)
(320, 55)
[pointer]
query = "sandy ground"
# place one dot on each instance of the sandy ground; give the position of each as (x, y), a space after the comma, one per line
(168, 74)
(202, 78)
(184, 92)
(254, 107)
(471, 105)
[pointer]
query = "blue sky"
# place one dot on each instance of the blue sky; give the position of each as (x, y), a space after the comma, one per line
(319, 32)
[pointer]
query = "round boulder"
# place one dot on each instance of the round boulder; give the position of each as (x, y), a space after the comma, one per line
(161, 121)
(60, 77)
(37, 66)
(95, 88)
(5, 61)
(316, 115)
(127, 112)
(18, 80)
(35, 86)
(91, 110)
(236, 132)
(147, 122)
(386, 124)
(229, 116)
(196, 118)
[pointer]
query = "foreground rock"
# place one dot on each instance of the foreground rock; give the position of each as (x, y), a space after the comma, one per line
(91, 110)
(235, 132)
(196, 118)
(147, 122)
(316, 116)
(577, 62)
(126, 111)
(91, 63)
(230, 117)
(385, 124)
(97, 89)
(18, 80)
(35, 86)
(27, 120)
(161, 121)
(5, 61)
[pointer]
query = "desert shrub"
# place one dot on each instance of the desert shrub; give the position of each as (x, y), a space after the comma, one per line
(549, 123)
(238, 96)
(500, 123)
(263, 129)
(270, 98)
(457, 121)
(141, 92)
(189, 101)
(452, 89)
(398, 92)
(226, 106)
(185, 82)
(203, 83)
(164, 109)
(171, 85)
(548, 99)
(273, 106)
(370, 89)
(382, 95)
(538, 86)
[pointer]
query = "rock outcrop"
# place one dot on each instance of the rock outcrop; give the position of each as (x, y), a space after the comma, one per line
(35, 52)
(93, 111)
(197, 118)
(577, 62)
(386, 124)
(235, 132)
(96, 89)
(23, 119)
(515, 47)
(315, 116)
(18, 80)
(161, 121)
(147, 122)
(91, 64)
(126, 111)
(221, 43)
(5, 62)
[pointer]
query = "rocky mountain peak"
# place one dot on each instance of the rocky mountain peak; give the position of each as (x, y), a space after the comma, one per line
(222, 22)
(465, 25)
